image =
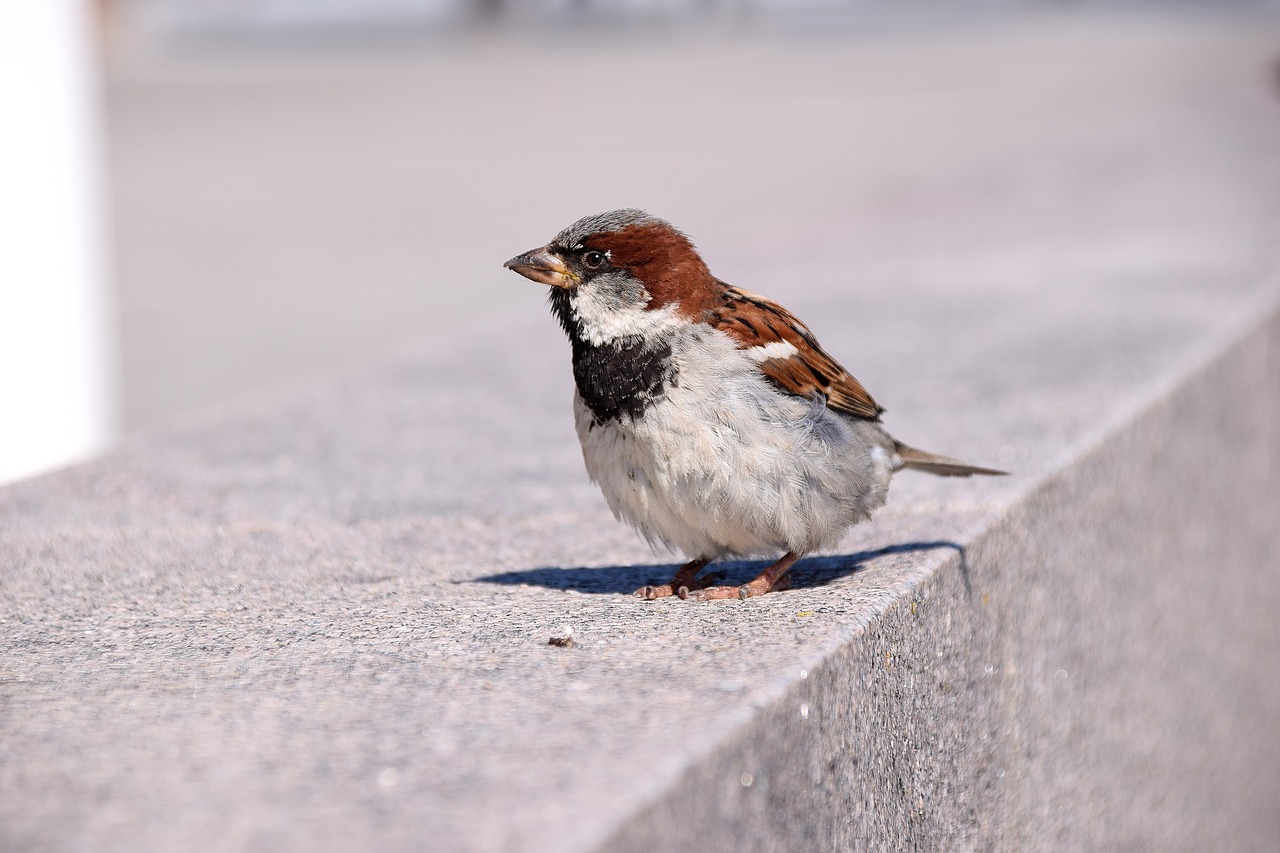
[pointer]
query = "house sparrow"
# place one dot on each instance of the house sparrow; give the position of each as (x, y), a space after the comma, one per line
(709, 416)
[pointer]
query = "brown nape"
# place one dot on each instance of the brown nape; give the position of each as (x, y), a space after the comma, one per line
(666, 262)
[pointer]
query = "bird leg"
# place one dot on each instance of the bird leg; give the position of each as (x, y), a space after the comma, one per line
(685, 579)
(775, 577)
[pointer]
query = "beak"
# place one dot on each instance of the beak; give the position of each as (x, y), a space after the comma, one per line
(542, 266)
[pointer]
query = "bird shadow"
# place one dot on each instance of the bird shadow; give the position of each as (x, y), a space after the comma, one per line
(808, 573)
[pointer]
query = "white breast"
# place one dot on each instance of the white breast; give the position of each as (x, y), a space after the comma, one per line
(726, 465)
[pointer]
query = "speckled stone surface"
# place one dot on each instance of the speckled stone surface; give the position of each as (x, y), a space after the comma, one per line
(319, 618)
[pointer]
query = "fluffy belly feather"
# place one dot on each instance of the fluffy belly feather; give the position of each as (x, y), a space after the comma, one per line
(725, 465)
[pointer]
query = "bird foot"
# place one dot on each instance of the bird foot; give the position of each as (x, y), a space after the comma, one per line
(748, 590)
(685, 581)
(684, 590)
(776, 577)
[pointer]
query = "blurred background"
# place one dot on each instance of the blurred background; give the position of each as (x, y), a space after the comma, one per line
(206, 197)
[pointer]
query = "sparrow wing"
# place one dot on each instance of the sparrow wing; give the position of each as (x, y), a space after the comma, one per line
(789, 355)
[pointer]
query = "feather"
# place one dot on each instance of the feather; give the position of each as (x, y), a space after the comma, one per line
(932, 463)
(790, 356)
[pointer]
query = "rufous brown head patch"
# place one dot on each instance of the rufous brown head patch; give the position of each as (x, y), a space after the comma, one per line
(665, 261)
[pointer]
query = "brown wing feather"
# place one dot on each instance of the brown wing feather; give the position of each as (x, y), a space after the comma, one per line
(755, 321)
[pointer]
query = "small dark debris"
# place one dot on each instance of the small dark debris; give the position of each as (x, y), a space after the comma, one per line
(561, 642)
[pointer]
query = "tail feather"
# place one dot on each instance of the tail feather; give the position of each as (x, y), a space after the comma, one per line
(943, 466)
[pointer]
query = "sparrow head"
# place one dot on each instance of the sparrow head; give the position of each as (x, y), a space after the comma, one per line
(621, 260)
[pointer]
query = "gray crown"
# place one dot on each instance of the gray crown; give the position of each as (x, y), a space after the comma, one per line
(600, 223)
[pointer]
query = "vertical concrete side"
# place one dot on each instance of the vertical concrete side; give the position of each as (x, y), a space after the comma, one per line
(1101, 672)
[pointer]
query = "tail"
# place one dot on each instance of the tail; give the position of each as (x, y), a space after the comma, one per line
(943, 466)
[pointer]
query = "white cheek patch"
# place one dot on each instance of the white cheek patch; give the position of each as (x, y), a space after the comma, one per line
(602, 320)
(766, 352)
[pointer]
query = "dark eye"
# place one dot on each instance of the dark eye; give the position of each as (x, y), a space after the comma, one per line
(593, 260)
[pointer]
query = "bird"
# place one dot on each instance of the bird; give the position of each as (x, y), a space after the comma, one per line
(710, 417)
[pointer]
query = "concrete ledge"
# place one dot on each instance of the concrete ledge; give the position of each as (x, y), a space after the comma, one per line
(1099, 668)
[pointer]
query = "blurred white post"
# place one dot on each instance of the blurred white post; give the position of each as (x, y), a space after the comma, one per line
(57, 353)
